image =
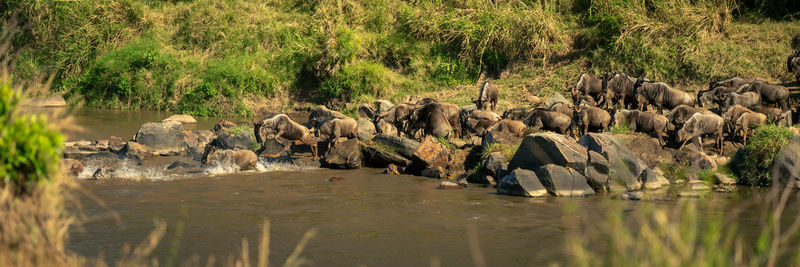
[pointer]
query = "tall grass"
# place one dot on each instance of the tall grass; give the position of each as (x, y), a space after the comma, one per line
(762, 147)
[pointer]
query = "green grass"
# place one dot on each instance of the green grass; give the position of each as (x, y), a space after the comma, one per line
(214, 57)
(762, 147)
(508, 151)
(619, 129)
(675, 171)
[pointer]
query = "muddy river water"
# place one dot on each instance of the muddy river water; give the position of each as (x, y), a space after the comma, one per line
(367, 218)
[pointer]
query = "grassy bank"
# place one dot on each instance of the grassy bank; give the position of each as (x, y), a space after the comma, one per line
(212, 57)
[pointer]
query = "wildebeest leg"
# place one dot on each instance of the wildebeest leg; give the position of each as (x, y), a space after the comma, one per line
(277, 135)
(660, 140)
(660, 110)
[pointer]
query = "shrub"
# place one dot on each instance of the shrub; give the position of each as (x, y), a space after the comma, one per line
(619, 129)
(30, 148)
(762, 147)
(360, 78)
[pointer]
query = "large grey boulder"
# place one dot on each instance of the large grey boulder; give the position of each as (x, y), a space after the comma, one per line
(182, 118)
(233, 140)
(379, 158)
(366, 129)
(162, 138)
(785, 170)
(366, 111)
(401, 145)
(624, 167)
(597, 171)
(544, 148)
(344, 155)
(521, 182)
(276, 150)
(195, 142)
(493, 163)
(499, 137)
(563, 182)
(382, 106)
(134, 151)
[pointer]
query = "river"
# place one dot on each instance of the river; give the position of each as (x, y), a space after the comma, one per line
(368, 218)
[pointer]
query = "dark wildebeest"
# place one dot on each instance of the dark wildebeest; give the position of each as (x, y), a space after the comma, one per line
(747, 99)
(734, 82)
(793, 65)
(588, 86)
(659, 94)
(487, 96)
(645, 122)
(746, 121)
(619, 89)
(452, 114)
(333, 129)
(700, 125)
(548, 120)
(320, 114)
(771, 94)
(479, 121)
(774, 115)
(680, 114)
(282, 126)
(432, 120)
(587, 116)
(397, 116)
(708, 97)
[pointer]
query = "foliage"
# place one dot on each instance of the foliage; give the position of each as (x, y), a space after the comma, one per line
(675, 170)
(762, 147)
(619, 129)
(30, 148)
(508, 151)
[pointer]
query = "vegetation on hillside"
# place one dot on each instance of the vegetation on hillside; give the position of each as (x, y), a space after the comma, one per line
(212, 57)
(762, 148)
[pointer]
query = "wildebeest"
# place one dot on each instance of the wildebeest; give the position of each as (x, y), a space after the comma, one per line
(320, 114)
(487, 96)
(793, 65)
(747, 121)
(700, 125)
(563, 108)
(734, 82)
(680, 114)
(659, 94)
(397, 116)
(431, 119)
(517, 114)
(282, 126)
(587, 116)
(645, 122)
(333, 129)
(479, 121)
(772, 94)
(548, 120)
(708, 97)
(243, 159)
(588, 86)
(732, 114)
(619, 88)
(515, 128)
(747, 99)
(774, 115)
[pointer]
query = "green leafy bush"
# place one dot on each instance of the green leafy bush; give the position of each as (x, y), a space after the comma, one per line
(360, 78)
(30, 149)
(762, 147)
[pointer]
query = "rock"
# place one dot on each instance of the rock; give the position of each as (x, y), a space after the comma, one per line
(163, 138)
(182, 118)
(459, 143)
(231, 140)
(53, 101)
(401, 145)
(365, 137)
(449, 185)
(493, 162)
(365, 111)
(366, 130)
(563, 182)
(115, 143)
(223, 125)
(624, 167)
(344, 155)
(430, 153)
(724, 179)
(392, 170)
(498, 137)
(462, 180)
(435, 172)
(276, 150)
(556, 98)
(521, 182)
(481, 178)
(785, 170)
(195, 142)
(503, 170)
(382, 106)
(544, 148)
(73, 167)
(597, 171)
(104, 173)
(134, 151)
(660, 176)
(377, 157)
(698, 161)
(650, 179)
(697, 185)
(243, 160)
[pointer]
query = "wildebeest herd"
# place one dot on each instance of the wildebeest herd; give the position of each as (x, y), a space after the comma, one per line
(726, 110)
